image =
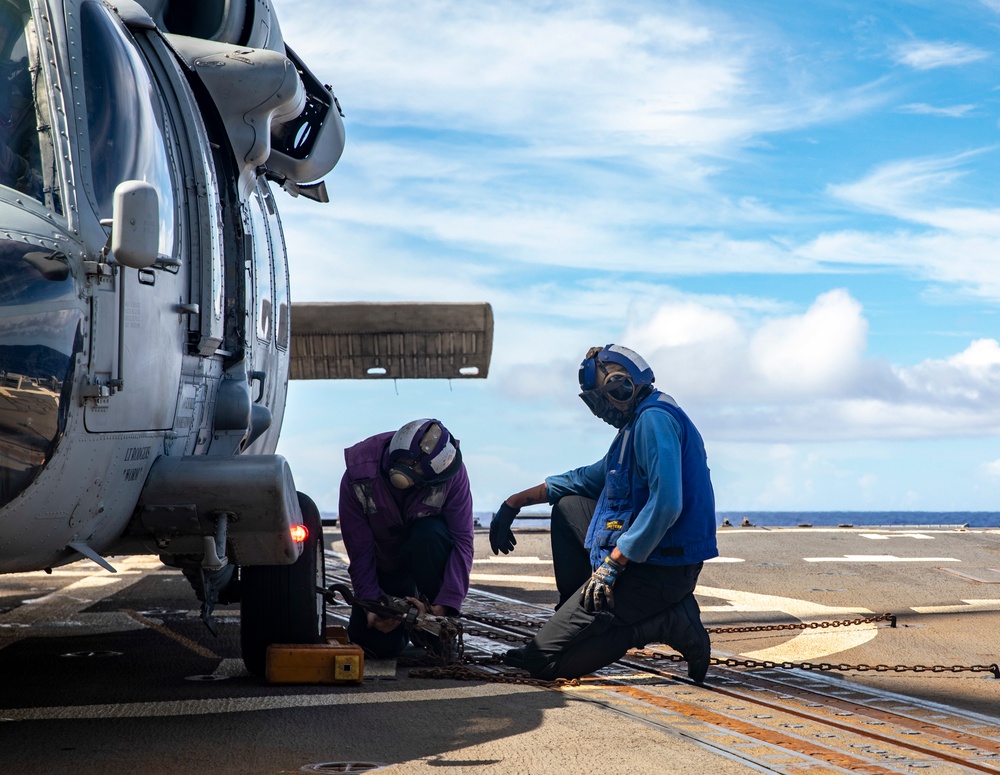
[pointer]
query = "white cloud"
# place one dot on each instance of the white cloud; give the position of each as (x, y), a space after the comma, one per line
(991, 469)
(815, 353)
(806, 376)
(927, 55)
(900, 188)
(948, 111)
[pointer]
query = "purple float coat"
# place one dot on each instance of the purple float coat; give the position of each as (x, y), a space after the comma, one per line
(372, 512)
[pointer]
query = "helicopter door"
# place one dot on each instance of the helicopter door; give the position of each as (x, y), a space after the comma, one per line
(138, 325)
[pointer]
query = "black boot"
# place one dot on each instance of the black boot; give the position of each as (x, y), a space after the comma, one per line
(680, 628)
(691, 639)
(515, 658)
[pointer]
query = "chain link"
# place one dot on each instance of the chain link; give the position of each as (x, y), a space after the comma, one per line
(891, 618)
(464, 667)
(826, 666)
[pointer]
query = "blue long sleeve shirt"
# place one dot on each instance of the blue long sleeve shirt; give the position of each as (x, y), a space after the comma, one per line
(657, 459)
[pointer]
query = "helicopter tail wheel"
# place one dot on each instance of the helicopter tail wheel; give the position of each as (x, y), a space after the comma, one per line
(280, 603)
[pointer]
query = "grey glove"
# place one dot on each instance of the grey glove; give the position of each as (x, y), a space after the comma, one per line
(501, 536)
(597, 594)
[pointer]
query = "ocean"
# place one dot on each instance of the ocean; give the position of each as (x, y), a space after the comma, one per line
(814, 518)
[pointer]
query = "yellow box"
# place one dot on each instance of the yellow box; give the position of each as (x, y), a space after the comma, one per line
(315, 663)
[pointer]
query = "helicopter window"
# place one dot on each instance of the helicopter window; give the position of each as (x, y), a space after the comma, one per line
(20, 148)
(126, 135)
(29, 275)
(261, 267)
(41, 342)
(280, 260)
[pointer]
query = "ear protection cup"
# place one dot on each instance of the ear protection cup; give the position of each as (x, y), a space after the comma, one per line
(619, 387)
(400, 478)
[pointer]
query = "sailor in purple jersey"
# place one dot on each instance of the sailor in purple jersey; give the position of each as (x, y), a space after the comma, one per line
(406, 518)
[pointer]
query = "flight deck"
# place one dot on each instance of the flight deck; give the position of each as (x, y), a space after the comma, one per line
(842, 649)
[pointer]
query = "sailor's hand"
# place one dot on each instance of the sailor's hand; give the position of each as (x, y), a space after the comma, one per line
(596, 594)
(501, 536)
(382, 624)
(424, 608)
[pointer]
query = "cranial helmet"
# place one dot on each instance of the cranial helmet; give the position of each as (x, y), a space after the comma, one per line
(613, 379)
(422, 453)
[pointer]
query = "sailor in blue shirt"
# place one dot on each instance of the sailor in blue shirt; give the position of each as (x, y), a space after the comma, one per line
(629, 532)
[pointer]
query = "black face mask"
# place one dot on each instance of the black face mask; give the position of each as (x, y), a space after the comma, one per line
(621, 388)
(598, 403)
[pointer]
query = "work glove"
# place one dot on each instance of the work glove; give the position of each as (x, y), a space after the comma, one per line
(597, 594)
(501, 536)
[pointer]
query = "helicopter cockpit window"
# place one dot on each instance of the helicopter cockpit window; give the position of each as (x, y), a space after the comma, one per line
(261, 268)
(42, 338)
(126, 137)
(21, 149)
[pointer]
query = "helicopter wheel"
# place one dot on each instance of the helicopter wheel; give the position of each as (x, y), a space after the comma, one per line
(280, 603)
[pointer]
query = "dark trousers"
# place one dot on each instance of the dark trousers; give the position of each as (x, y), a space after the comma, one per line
(652, 603)
(568, 532)
(422, 563)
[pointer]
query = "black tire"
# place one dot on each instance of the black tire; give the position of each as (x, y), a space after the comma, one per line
(280, 603)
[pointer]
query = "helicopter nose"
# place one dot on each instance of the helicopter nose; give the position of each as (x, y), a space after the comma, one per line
(40, 337)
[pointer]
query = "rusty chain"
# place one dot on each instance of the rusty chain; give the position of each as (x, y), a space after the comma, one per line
(464, 668)
(891, 618)
(826, 666)
(535, 624)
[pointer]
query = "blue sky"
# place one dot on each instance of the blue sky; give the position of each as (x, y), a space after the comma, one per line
(790, 209)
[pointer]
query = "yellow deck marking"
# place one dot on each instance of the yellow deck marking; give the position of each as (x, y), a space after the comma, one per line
(167, 632)
(808, 644)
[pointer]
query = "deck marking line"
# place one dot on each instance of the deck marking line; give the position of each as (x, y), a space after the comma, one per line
(187, 643)
(878, 558)
(501, 577)
(511, 561)
(348, 696)
(887, 536)
(970, 605)
(67, 602)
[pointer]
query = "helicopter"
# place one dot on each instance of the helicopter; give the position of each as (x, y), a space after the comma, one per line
(146, 330)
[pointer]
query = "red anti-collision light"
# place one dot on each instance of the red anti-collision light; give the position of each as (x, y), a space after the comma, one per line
(299, 533)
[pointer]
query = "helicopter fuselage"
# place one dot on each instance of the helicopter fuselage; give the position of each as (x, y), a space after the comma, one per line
(144, 303)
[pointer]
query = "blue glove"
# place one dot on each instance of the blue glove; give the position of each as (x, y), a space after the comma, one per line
(501, 536)
(597, 594)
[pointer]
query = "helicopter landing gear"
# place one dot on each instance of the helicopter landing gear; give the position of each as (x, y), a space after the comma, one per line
(284, 603)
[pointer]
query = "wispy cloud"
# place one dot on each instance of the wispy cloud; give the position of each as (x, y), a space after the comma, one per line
(716, 190)
(947, 111)
(928, 55)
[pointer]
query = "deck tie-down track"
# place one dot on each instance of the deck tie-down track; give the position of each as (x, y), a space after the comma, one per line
(775, 720)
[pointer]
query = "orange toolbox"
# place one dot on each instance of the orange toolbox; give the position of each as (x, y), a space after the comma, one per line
(315, 663)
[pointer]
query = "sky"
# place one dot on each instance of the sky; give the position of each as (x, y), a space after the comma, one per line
(789, 209)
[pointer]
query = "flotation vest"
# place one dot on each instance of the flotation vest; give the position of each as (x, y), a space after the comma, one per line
(691, 538)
